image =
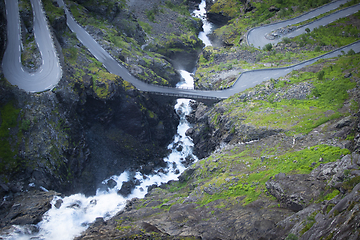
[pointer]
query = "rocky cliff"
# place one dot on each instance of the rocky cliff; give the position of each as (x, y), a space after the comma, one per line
(92, 125)
(259, 180)
(277, 161)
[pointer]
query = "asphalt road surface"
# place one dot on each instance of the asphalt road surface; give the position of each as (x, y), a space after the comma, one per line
(50, 72)
(256, 36)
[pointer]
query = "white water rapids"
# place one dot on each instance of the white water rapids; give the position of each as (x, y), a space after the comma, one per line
(77, 211)
(207, 26)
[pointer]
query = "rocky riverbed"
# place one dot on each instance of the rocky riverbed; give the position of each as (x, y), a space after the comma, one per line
(259, 177)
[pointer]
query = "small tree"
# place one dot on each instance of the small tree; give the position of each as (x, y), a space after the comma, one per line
(307, 30)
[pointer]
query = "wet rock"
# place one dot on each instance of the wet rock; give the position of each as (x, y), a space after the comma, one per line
(126, 188)
(58, 203)
(151, 187)
(111, 183)
(27, 208)
(179, 148)
(190, 132)
(99, 221)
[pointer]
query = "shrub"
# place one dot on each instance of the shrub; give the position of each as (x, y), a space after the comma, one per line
(317, 49)
(286, 40)
(268, 47)
(351, 52)
(307, 30)
(320, 75)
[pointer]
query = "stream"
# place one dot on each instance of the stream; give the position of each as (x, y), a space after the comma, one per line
(71, 215)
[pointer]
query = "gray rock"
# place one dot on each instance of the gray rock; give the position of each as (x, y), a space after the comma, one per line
(344, 122)
(27, 208)
(280, 176)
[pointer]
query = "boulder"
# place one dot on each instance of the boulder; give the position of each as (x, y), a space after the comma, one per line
(126, 188)
(27, 208)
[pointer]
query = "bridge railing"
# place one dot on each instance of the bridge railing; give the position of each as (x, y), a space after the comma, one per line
(182, 95)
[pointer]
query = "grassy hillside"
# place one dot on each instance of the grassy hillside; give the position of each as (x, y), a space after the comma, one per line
(217, 61)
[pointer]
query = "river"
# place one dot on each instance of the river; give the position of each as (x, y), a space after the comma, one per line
(75, 213)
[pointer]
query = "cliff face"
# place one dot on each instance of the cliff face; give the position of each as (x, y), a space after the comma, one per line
(91, 126)
(265, 178)
(278, 161)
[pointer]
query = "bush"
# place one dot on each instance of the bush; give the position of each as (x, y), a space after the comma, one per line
(268, 47)
(317, 49)
(351, 52)
(320, 75)
(286, 40)
(307, 30)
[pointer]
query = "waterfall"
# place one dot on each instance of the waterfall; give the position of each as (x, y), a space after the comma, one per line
(71, 215)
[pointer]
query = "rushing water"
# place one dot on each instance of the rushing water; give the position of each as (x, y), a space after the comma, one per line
(207, 26)
(77, 211)
(69, 216)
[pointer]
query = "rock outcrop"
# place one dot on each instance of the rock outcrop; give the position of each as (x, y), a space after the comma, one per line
(84, 130)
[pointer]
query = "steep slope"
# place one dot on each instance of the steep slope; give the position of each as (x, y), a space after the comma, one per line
(282, 162)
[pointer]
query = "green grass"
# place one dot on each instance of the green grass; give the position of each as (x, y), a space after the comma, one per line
(146, 27)
(261, 15)
(298, 116)
(251, 182)
(338, 33)
(180, 8)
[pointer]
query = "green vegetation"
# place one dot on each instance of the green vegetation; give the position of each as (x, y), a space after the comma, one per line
(256, 172)
(267, 47)
(300, 116)
(310, 221)
(291, 236)
(146, 27)
(180, 8)
(129, 48)
(9, 162)
(151, 13)
(338, 33)
(238, 25)
(52, 11)
(329, 92)
(351, 183)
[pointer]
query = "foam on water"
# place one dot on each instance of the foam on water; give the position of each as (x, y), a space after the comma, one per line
(207, 26)
(78, 211)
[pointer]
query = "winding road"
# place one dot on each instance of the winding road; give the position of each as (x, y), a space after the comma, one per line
(17, 76)
(49, 73)
(256, 36)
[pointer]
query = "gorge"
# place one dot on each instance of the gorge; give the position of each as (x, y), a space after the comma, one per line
(63, 139)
